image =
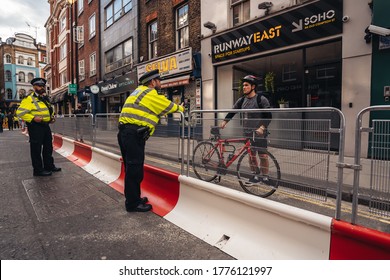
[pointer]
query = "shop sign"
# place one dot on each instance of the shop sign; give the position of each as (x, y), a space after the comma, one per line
(119, 85)
(305, 23)
(174, 64)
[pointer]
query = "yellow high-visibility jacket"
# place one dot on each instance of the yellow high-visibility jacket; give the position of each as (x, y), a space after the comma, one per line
(145, 106)
(31, 106)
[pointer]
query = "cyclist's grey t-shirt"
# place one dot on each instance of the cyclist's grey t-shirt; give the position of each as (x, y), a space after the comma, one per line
(253, 120)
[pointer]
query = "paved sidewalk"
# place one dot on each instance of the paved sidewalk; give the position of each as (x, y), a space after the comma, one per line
(73, 215)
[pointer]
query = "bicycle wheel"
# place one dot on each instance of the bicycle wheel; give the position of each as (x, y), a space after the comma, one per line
(205, 161)
(251, 178)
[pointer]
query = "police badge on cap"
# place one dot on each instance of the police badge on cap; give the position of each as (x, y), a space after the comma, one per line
(148, 76)
(38, 82)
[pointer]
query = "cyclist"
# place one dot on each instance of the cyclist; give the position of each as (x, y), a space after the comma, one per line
(258, 121)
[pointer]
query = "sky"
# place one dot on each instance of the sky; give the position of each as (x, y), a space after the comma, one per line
(24, 16)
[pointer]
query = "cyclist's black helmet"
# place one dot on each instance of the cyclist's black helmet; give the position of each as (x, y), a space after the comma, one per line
(253, 80)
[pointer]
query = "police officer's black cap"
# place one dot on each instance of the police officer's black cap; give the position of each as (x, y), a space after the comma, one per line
(38, 82)
(148, 76)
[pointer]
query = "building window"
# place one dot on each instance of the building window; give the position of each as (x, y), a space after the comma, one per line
(92, 26)
(182, 27)
(20, 59)
(8, 58)
(63, 78)
(62, 23)
(8, 76)
(80, 6)
(29, 61)
(30, 76)
(63, 51)
(9, 93)
(153, 35)
(240, 11)
(92, 64)
(116, 9)
(326, 72)
(289, 72)
(81, 70)
(119, 56)
(22, 77)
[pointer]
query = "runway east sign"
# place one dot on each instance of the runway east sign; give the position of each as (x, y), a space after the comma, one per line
(314, 21)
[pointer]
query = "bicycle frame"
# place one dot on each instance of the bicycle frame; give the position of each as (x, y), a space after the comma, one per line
(220, 143)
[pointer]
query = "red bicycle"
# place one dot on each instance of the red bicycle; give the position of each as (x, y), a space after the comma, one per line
(258, 171)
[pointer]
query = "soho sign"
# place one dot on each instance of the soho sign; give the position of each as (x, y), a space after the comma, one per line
(320, 17)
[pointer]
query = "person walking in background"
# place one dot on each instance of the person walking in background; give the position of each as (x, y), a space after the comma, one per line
(1, 121)
(36, 111)
(139, 116)
(10, 120)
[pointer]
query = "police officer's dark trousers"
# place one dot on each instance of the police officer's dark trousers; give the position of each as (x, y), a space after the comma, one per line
(41, 146)
(132, 146)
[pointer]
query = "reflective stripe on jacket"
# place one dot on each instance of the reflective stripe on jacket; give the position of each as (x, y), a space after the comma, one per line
(145, 106)
(30, 107)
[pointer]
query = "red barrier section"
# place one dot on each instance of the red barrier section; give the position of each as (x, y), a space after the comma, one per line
(162, 188)
(352, 242)
(119, 184)
(57, 142)
(81, 155)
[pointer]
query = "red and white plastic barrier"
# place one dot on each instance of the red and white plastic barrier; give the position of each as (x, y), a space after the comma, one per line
(242, 225)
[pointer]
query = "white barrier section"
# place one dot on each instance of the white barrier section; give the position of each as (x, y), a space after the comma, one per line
(67, 147)
(104, 165)
(249, 227)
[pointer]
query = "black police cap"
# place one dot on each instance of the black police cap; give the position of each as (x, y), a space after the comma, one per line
(38, 82)
(148, 76)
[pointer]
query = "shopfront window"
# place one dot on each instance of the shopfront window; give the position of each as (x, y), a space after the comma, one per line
(308, 77)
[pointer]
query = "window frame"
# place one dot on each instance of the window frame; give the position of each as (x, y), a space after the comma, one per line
(9, 93)
(117, 9)
(8, 76)
(62, 25)
(244, 11)
(21, 77)
(116, 62)
(80, 6)
(185, 27)
(8, 58)
(92, 64)
(92, 33)
(30, 76)
(63, 51)
(81, 69)
(153, 43)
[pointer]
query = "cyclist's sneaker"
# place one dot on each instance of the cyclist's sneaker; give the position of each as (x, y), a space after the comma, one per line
(265, 179)
(254, 180)
(258, 179)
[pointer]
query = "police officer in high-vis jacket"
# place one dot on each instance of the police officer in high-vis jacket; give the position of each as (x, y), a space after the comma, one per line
(139, 116)
(36, 111)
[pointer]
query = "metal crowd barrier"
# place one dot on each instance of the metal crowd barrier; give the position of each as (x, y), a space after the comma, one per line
(377, 188)
(100, 130)
(307, 143)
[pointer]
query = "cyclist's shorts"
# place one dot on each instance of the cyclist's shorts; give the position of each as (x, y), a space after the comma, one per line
(261, 142)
